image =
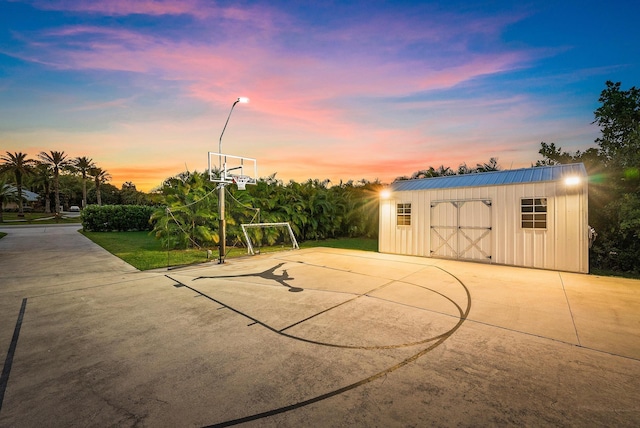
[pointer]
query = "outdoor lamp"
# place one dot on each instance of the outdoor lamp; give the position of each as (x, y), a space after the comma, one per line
(572, 180)
(242, 100)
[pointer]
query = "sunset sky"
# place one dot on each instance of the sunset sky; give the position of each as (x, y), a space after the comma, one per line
(338, 90)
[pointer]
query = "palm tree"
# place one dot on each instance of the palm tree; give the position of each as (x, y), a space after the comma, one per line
(18, 165)
(83, 165)
(42, 180)
(99, 176)
(189, 214)
(492, 165)
(432, 172)
(58, 161)
(7, 194)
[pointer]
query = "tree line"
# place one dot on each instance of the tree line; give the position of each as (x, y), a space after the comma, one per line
(61, 181)
(614, 178)
(315, 209)
(443, 171)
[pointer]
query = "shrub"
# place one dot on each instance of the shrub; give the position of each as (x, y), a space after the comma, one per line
(116, 217)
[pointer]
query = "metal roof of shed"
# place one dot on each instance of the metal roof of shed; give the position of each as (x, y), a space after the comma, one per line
(494, 178)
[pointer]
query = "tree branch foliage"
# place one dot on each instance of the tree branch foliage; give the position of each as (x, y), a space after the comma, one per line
(443, 171)
(614, 171)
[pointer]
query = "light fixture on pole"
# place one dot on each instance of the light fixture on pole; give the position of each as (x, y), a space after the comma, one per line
(222, 231)
(243, 100)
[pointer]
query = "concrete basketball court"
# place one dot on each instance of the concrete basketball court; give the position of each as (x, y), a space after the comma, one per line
(317, 337)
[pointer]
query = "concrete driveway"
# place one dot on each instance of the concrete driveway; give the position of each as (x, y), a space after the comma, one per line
(317, 337)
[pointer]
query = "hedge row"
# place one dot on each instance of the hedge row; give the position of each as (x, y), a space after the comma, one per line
(116, 217)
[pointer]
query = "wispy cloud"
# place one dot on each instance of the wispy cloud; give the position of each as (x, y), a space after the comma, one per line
(255, 15)
(127, 7)
(120, 102)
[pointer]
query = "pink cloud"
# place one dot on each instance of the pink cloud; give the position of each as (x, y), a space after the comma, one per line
(120, 102)
(255, 16)
(124, 7)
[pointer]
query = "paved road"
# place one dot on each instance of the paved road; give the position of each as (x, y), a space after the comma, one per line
(315, 337)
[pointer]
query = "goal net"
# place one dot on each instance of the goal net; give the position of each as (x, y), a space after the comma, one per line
(256, 237)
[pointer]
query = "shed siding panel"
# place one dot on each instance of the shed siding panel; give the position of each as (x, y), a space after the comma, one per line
(386, 232)
(422, 247)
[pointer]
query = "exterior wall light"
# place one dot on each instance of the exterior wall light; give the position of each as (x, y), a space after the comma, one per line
(572, 180)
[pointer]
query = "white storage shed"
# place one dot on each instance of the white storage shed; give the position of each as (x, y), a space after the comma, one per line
(533, 217)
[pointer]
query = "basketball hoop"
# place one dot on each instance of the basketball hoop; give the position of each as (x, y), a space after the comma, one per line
(233, 169)
(241, 181)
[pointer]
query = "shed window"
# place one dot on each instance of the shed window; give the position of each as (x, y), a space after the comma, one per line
(534, 213)
(403, 212)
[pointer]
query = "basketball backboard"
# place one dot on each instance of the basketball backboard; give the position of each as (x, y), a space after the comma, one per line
(229, 169)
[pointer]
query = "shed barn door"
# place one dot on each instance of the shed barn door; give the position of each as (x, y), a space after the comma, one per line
(461, 229)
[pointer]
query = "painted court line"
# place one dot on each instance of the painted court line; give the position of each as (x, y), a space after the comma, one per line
(8, 362)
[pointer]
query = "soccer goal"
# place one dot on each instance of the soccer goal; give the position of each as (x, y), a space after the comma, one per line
(245, 227)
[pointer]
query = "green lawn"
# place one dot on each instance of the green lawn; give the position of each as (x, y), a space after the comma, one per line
(143, 251)
(2, 235)
(36, 218)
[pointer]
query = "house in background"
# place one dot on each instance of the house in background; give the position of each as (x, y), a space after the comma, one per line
(533, 217)
(28, 200)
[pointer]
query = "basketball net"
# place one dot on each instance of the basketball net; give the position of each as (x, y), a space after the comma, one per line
(241, 181)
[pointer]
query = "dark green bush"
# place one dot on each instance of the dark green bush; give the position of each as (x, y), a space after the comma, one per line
(116, 217)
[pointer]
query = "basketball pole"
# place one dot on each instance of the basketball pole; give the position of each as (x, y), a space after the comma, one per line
(222, 230)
